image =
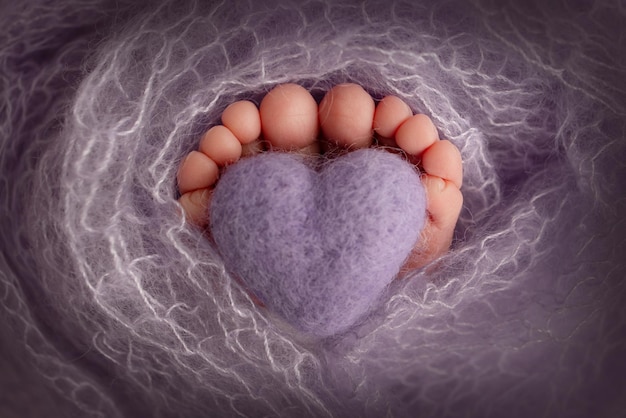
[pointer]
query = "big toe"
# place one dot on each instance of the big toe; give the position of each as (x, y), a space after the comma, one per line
(346, 115)
(289, 117)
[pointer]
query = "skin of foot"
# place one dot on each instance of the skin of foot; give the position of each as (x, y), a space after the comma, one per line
(290, 120)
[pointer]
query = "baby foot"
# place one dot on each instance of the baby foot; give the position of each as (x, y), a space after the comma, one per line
(290, 120)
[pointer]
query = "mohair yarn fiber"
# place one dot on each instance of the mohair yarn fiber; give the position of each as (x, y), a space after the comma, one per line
(113, 306)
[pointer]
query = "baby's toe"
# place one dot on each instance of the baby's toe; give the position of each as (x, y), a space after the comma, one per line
(196, 172)
(445, 201)
(221, 145)
(443, 159)
(346, 115)
(289, 118)
(391, 112)
(195, 204)
(243, 119)
(416, 134)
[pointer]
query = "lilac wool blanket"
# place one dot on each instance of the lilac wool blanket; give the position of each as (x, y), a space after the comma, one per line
(111, 305)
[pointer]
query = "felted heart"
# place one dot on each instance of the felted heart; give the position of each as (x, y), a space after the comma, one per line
(318, 243)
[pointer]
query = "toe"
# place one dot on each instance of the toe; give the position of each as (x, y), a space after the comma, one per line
(195, 204)
(445, 201)
(390, 113)
(221, 145)
(416, 134)
(243, 120)
(346, 115)
(443, 159)
(196, 172)
(289, 117)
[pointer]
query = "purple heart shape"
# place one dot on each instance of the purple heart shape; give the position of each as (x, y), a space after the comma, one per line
(318, 243)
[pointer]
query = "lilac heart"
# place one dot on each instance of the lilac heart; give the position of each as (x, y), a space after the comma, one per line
(318, 243)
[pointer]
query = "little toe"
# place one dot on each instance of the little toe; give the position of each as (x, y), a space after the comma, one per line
(221, 145)
(416, 134)
(243, 119)
(391, 112)
(443, 159)
(289, 118)
(346, 115)
(195, 204)
(196, 172)
(445, 201)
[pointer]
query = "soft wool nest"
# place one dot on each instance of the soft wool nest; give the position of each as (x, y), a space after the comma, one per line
(110, 298)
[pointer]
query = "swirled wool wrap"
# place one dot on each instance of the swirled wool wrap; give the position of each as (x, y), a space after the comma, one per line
(112, 305)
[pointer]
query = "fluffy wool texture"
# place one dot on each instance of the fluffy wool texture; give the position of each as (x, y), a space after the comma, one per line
(112, 305)
(318, 248)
